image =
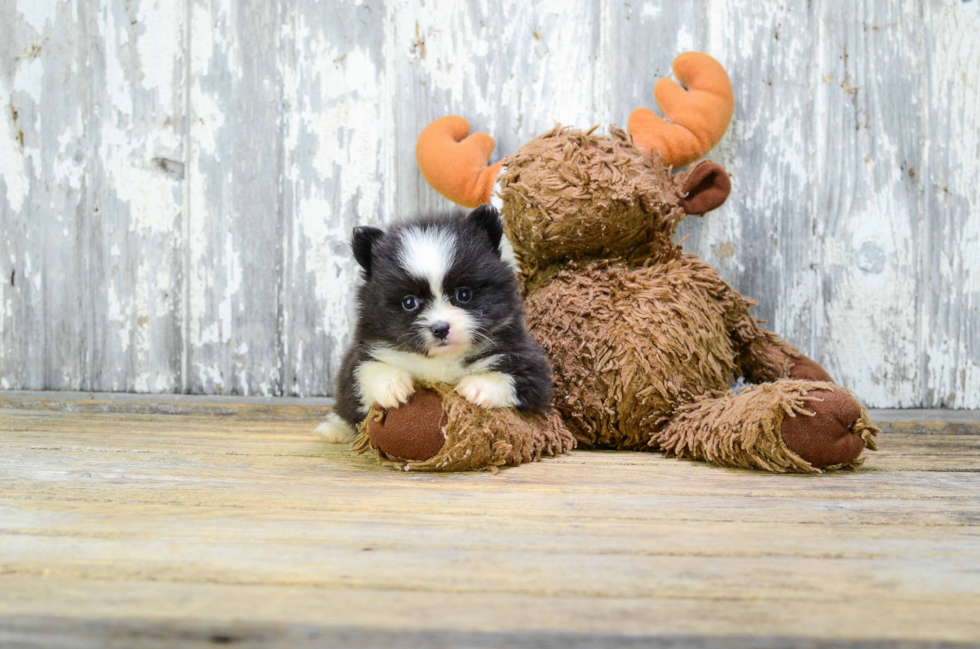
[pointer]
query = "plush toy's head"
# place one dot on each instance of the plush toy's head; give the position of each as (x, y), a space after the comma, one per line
(570, 194)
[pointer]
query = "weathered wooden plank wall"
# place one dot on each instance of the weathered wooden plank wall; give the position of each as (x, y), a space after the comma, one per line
(178, 179)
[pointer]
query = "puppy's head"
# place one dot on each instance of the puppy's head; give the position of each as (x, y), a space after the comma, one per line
(436, 285)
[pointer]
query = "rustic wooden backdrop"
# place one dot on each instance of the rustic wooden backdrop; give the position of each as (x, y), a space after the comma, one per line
(178, 178)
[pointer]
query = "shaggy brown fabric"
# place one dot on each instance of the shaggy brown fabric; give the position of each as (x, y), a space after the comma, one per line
(571, 194)
(475, 438)
(414, 431)
(825, 439)
(630, 344)
(745, 429)
(763, 356)
(705, 187)
(637, 339)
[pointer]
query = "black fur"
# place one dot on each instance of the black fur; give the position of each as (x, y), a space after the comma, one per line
(495, 305)
(361, 243)
(487, 219)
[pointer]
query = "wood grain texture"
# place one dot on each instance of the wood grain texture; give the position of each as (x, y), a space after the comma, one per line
(178, 180)
(951, 196)
(336, 175)
(234, 223)
(90, 164)
(180, 526)
(513, 69)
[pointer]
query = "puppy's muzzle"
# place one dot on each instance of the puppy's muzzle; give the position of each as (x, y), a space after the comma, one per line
(440, 330)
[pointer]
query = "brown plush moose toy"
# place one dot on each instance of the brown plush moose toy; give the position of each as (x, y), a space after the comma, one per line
(644, 339)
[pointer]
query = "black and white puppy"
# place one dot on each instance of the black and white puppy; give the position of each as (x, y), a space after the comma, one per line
(439, 302)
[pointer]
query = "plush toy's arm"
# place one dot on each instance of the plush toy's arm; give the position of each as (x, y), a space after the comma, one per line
(438, 430)
(456, 165)
(764, 356)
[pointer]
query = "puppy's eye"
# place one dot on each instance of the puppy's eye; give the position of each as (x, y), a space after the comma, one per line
(410, 303)
(463, 295)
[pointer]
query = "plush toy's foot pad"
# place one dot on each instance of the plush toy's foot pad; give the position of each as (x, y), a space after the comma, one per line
(438, 430)
(413, 431)
(808, 370)
(827, 438)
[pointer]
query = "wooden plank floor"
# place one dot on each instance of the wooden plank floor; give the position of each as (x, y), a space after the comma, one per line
(196, 523)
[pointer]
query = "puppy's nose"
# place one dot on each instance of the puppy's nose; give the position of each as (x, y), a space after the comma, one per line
(440, 330)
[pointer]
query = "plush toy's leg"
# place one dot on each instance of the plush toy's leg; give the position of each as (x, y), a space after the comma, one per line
(784, 426)
(438, 430)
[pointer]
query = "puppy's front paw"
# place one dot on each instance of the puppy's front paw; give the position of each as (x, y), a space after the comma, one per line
(385, 385)
(488, 390)
(394, 391)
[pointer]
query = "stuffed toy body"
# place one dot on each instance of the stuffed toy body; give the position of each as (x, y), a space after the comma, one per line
(644, 339)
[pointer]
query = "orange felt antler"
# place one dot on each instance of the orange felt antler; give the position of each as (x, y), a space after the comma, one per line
(456, 165)
(696, 118)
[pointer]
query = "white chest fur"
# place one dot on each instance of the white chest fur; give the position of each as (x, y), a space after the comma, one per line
(439, 369)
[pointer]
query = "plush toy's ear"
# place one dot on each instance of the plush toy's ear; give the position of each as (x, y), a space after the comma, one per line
(705, 188)
(488, 219)
(360, 244)
(456, 165)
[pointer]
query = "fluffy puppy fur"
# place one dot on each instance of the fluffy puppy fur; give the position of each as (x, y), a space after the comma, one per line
(439, 302)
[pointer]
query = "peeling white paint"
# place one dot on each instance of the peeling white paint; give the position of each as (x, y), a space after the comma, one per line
(117, 87)
(30, 78)
(335, 134)
(120, 318)
(155, 47)
(210, 375)
(149, 192)
(685, 39)
(69, 169)
(950, 328)
(12, 168)
(39, 13)
(874, 271)
(650, 11)
(233, 274)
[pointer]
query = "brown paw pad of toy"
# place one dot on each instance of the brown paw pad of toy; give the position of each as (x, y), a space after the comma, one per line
(438, 430)
(834, 435)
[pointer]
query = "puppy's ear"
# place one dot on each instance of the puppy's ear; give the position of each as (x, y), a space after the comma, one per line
(488, 219)
(361, 243)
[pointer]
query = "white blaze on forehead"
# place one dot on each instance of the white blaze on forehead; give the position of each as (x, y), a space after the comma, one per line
(427, 254)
